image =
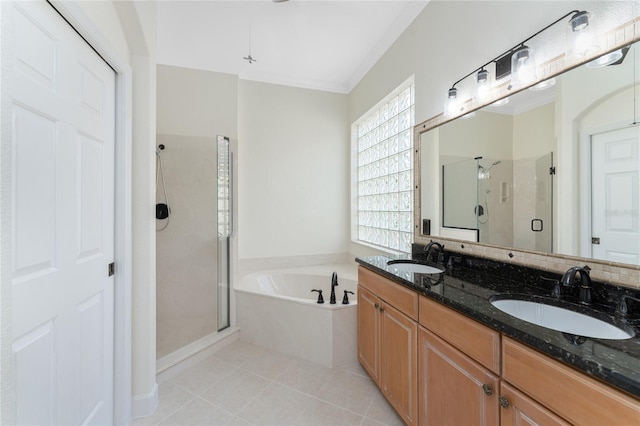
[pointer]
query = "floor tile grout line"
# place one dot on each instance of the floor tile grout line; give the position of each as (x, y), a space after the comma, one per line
(179, 408)
(245, 367)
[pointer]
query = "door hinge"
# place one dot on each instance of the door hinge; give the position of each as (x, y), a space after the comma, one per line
(112, 268)
(552, 170)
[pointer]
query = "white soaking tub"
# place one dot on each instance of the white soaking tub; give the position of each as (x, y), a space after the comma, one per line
(278, 310)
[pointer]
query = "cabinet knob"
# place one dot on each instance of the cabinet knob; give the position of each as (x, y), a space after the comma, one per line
(503, 401)
(487, 389)
(376, 306)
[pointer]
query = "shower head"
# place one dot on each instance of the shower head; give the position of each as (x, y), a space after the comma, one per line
(495, 163)
(484, 173)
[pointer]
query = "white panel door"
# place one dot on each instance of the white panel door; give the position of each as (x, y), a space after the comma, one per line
(615, 199)
(63, 113)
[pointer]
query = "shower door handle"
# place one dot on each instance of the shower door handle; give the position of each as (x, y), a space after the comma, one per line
(540, 226)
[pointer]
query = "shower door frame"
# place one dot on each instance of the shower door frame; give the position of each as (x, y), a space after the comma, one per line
(225, 226)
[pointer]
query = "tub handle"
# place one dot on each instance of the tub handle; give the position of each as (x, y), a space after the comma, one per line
(320, 298)
(345, 299)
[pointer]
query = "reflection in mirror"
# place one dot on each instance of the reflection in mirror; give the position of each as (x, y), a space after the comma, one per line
(553, 170)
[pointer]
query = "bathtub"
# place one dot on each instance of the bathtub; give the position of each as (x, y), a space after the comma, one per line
(277, 309)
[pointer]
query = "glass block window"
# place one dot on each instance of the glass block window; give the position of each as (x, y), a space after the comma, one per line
(382, 172)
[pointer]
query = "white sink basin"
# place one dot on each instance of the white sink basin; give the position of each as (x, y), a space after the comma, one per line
(560, 319)
(413, 266)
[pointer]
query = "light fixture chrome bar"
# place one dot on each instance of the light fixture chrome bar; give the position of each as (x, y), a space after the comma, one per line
(579, 21)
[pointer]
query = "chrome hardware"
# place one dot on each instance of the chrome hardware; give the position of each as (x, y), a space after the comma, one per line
(487, 389)
(595, 240)
(503, 401)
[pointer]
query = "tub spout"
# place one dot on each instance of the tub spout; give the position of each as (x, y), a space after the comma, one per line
(334, 283)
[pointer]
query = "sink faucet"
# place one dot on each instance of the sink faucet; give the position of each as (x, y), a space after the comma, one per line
(569, 279)
(334, 283)
(438, 248)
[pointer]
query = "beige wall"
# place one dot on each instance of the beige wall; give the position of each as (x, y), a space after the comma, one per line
(293, 173)
(197, 103)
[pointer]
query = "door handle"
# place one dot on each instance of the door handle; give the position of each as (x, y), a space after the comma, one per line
(538, 222)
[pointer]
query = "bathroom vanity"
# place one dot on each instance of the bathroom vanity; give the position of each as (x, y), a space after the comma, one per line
(441, 353)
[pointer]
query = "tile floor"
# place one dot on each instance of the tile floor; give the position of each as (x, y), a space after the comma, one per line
(245, 384)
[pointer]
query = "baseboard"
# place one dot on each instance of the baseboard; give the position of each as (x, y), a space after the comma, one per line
(145, 405)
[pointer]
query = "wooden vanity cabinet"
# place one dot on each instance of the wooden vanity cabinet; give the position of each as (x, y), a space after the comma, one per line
(454, 389)
(517, 409)
(439, 367)
(369, 333)
(459, 364)
(387, 340)
(573, 395)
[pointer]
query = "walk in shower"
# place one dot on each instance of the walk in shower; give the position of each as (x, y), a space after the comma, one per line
(192, 243)
(505, 202)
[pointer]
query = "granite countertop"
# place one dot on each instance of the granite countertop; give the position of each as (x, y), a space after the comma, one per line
(465, 290)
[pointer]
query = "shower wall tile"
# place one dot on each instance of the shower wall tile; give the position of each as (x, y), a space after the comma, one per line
(186, 251)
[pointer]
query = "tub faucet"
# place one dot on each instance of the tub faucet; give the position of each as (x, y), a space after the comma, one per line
(334, 283)
(569, 279)
(438, 248)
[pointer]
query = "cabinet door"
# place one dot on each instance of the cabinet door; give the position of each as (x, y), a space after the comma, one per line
(520, 410)
(399, 362)
(454, 389)
(369, 333)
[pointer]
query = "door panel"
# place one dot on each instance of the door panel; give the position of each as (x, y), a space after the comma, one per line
(35, 350)
(35, 147)
(453, 386)
(63, 105)
(368, 333)
(615, 171)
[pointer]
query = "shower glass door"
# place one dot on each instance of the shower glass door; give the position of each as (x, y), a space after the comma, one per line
(225, 228)
(542, 223)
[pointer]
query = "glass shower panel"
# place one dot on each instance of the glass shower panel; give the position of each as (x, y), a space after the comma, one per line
(459, 181)
(225, 228)
(542, 223)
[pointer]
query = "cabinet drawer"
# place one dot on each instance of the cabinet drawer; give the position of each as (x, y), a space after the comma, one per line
(476, 340)
(402, 298)
(573, 395)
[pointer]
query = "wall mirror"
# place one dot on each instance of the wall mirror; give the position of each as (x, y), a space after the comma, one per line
(553, 170)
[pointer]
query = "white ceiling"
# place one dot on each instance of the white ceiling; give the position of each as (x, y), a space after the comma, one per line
(326, 45)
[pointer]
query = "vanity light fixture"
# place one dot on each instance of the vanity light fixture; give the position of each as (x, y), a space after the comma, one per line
(544, 84)
(608, 59)
(452, 105)
(500, 102)
(517, 62)
(579, 21)
(483, 87)
(523, 66)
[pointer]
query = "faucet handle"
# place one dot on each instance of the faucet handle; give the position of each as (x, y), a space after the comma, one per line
(557, 289)
(320, 298)
(623, 309)
(345, 299)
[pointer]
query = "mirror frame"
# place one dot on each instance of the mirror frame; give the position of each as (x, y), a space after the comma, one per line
(601, 270)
